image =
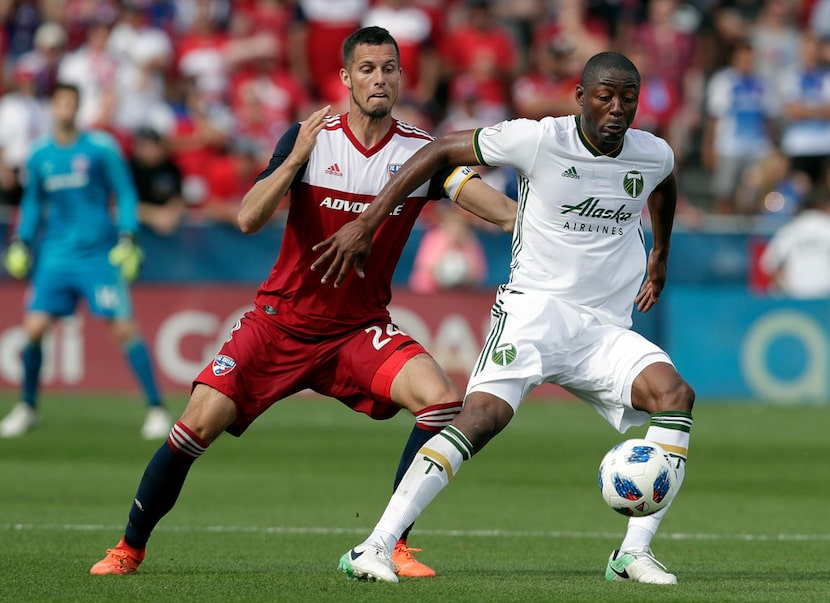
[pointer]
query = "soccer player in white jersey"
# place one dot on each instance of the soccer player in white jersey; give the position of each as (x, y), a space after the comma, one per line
(579, 265)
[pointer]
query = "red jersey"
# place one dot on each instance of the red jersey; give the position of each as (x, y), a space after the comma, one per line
(337, 184)
(489, 56)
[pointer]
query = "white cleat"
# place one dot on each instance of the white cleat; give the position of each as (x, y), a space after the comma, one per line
(368, 562)
(20, 420)
(637, 566)
(156, 425)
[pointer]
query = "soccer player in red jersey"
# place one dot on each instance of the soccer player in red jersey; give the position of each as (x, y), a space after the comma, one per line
(336, 340)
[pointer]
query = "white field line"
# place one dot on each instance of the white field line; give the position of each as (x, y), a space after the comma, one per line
(65, 527)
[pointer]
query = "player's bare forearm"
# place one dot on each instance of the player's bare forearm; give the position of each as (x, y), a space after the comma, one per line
(482, 200)
(350, 246)
(452, 149)
(662, 204)
(264, 197)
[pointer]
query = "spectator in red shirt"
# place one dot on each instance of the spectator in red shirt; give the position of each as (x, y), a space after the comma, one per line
(266, 97)
(588, 34)
(229, 177)
(549, 88)
(670, 49)
(325, 24)
(201, 52)
(201, 130)
(412, 28)
(481, 48)
(273, 17)
(659, 100)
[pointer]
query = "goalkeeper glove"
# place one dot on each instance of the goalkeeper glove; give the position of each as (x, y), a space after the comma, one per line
(127, 257)
(18, 259)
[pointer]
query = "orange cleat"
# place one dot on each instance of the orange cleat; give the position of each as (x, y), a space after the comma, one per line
(407, 566)
(123, 559)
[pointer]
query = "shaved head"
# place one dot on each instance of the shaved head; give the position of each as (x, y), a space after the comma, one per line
(600, 64)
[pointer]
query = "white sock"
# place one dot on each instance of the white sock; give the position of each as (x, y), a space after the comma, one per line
(433, 467)
(671, 431)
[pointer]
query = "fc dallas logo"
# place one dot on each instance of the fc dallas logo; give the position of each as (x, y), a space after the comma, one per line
(222, 365)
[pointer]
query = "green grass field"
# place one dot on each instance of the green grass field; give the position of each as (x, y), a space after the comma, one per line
(267, 516)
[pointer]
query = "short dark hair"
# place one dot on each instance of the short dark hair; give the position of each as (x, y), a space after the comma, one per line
(373, 36)
(66, 86)
(600, 64)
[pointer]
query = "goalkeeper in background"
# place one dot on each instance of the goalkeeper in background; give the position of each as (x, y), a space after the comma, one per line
(84, 251)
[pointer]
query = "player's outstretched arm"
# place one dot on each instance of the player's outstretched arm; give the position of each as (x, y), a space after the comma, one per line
(350, 246)
(661, 204)
(261, 201)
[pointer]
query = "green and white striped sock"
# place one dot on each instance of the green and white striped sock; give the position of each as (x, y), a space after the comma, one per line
(671, 430)
(435, 464)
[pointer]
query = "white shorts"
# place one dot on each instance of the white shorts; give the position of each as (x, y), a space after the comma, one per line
(535, 339)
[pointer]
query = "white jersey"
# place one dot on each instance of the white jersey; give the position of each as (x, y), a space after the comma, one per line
(578, 233)
(799, 253)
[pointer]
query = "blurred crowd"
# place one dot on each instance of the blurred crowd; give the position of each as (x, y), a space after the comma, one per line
(199, 91)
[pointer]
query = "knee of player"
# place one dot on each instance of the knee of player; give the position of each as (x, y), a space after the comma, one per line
(36, 326)
(124, 332)
(425, 392)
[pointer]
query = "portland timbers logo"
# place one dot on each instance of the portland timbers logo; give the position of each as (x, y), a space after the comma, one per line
(504, 354)
(633, 183)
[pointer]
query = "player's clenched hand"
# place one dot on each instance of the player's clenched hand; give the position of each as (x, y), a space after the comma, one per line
(17, 259)
(349, 246)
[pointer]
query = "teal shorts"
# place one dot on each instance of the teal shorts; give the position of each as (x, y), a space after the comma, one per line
(56, 289)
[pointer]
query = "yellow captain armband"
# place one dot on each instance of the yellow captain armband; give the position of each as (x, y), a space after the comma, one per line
(457, 179)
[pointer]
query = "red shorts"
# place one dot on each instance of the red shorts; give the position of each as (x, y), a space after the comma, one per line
(261, 364)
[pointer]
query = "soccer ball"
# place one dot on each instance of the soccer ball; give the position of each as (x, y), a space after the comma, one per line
(637, 478)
